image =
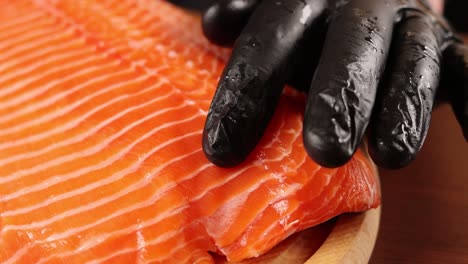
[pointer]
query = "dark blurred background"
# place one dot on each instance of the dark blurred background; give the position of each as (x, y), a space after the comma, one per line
(457, 12)
(454, 9)
(193, 4)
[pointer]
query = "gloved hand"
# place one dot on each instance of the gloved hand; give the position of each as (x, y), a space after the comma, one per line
(380, 63)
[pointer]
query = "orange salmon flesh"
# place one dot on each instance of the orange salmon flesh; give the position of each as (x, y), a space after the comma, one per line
(102, 109)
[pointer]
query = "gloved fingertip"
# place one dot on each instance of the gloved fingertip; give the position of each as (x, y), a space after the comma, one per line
(325, 150)
(224, 21)
(214, 28)
(390, 155)
(217, 145)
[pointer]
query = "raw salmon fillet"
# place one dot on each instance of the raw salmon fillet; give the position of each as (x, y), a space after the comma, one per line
(102, 109)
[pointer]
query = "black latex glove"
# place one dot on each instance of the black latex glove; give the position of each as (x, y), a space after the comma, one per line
(380, 63)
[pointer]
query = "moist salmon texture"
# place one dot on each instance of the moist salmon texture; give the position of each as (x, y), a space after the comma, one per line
(102, 109)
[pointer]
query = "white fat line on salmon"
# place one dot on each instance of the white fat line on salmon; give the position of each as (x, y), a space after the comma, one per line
(283, 196)
(85, 116)
(19, 142)
(141, 244)
(51, 101)
(80, 72)
(33, 42)
(285, 192)
(317, 194)
(27, 18)
(65, 92)
(282, 222)
(118, 21)
(326, 199)
(12, 37)
(260, 208)
(95, 241)
(81, 209)
(33, 61)
(141, 15)
(229, 178)
(178, 17)
(50, 84)
(372, 191)
(206, 259)
(66, 177)
(361, 181)
(181, 245)
(22, 25)
(148, 260)
(201, 61)
(258, 247)
(88, 152)
(148, 203)
(20, 4)
(328, 178)
(171, 234)
(60, 14)
(15, 258)
(226, 207)
(52, 10)
(161, 23)
(95, 185)
(120, 8)
(306, 220)
(92, 242)
(352, 195)
(151, 202)
(42, 186)
(121, 23)
(276, 140)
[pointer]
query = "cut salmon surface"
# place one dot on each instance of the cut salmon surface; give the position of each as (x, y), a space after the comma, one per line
(102, 109)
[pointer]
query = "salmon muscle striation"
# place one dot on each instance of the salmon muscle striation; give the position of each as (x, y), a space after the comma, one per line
(102, 109)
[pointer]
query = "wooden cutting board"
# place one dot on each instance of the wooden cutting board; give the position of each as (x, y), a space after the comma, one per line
(351, 240)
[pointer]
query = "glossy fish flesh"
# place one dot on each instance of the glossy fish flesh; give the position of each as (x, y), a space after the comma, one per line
(102, 109)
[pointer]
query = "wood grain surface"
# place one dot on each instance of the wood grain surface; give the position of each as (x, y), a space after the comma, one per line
(425, 206)
(351, 240)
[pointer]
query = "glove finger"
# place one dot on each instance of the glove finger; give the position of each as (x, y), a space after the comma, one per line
(406, 95)
(455, 81)
(224, 20)
(254, 77)
(309, 51)
(343, 90)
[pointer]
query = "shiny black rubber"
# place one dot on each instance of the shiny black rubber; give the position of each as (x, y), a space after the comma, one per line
(455, 81)
(223, 21)
(354, 82)
(254, 77)
(198, 5)
(406, 96)
(343, 90)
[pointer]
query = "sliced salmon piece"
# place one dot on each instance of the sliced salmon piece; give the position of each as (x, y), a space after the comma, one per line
(102, 109)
